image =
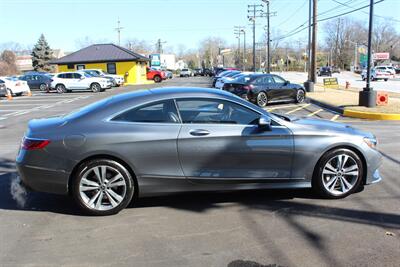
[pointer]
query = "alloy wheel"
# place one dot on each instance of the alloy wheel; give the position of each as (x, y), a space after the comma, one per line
(262, 99)
(42, 87)
(60, 88)
(95, 88)
(340, 174)
(300, 96)
(102, 188)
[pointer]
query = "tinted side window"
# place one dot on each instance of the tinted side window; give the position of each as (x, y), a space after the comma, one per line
(69, 75)
(279, 79)
(158, 112)
(62, 76)
(77, 75)
(215, 111)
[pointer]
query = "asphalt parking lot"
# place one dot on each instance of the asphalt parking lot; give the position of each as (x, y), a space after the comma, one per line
(282, 227)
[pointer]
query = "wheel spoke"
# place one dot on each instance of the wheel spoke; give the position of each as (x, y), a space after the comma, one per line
(331, 181)
(350, 169)
(111, 199)
(348, 185)
(88, 182)
(93, 199)
(115, 184)
(114, 195)
(99, 200)
(330, 167)
(339, 162)
(88, 188)
(115, 178)
(342, 186)
(345, 158)
(352, 173)
(326, 171)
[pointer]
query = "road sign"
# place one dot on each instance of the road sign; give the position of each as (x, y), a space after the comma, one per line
(380, 56)
(331, 83)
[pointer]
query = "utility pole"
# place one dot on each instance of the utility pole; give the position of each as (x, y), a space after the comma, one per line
(238, 30)
(159, 46)
(118, 29)
(254, 12)
(314, 43)
(309, 40)
(367, 97)
(268, 30)
(244, 49)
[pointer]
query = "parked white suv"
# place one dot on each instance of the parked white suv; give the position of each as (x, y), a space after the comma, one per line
(69, 81)
(119, 79)
(186, 73)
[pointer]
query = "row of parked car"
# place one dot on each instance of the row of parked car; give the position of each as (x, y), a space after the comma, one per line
(259, 88)
(95, 80)
(379, 73)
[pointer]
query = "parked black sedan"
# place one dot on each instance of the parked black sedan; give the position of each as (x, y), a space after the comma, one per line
(265, 88)
(37, 80)
(325, 71)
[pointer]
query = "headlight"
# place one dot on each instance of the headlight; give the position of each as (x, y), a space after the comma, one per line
(371, 142)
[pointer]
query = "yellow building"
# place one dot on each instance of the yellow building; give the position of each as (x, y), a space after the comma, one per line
(111, 58)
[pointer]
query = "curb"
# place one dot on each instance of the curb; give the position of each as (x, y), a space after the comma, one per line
(370, 115)
(327, 106)
(354, 113)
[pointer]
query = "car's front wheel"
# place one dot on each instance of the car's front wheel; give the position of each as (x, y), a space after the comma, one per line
(300, 96)
(95, 87)
(262, 99)
(102, 187)
(42, 87)
(338, 174)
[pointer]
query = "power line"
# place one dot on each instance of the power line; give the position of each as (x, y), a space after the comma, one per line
(295, 31)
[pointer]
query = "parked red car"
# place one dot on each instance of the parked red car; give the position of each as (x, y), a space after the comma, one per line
(155, 75)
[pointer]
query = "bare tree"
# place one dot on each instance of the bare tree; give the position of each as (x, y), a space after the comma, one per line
(8, 63)
(139, 46)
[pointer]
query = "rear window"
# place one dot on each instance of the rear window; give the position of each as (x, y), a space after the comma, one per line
(242, 79)
(184, 69)
(87, 109)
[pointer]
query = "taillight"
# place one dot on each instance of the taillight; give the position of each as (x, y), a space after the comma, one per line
(18, 84)
(33, 143)
(248, 87)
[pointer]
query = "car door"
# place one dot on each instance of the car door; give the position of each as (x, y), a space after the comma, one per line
(147, 137)
(79, 81)
(220, 140)
(283, 88)
(36, 81)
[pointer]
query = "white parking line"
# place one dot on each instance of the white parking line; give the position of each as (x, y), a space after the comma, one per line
(315, 112)
(335, 117)
(282, 107)
(297, 109)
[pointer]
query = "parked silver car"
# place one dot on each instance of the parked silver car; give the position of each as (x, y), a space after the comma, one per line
(168, 140)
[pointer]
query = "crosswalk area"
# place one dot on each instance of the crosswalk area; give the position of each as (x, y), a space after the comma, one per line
(38, 102)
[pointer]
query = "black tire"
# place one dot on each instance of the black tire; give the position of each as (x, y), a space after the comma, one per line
(43, 87)
(262, 99)
(95, 87)
(18, 94)
(386, 80)
(9, 92)
(318, 179)
(300, 96)
(60, 88)
(157, 79)
(126, 176)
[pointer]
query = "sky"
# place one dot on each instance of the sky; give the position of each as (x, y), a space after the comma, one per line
(67, 22)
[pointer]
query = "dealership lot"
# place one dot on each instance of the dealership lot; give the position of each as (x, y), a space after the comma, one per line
(283, 227)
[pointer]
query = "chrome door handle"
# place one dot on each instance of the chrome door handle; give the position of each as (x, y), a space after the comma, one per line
(199, 132)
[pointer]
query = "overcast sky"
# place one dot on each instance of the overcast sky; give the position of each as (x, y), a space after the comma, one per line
(175, 21)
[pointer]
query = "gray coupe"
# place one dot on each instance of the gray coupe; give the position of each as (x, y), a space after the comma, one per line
(169, 140)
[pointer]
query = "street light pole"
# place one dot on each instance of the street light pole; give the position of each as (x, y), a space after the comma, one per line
(367, 97)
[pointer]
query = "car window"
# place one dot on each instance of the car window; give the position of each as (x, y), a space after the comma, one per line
(258, 81)
(76, 75)
(242, 79)
(69, 75)
(215, 111)
(158, 112)
(279, 79)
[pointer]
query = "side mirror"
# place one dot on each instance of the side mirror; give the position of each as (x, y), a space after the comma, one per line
(264, 122)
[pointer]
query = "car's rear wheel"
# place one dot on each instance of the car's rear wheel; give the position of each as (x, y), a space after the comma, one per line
(386, 80)
(262, 99)
(95, 87)
(60, 88)
(42, 87)
(157, 79)
(338, 174)
(300, 96)
(102, 187)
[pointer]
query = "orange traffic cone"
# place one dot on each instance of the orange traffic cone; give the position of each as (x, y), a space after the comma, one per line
(29, 93)
(9, 95)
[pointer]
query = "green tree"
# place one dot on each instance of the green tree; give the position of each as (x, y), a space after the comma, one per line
(41, 55)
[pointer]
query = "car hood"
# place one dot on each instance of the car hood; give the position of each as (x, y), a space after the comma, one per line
(325, 126)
